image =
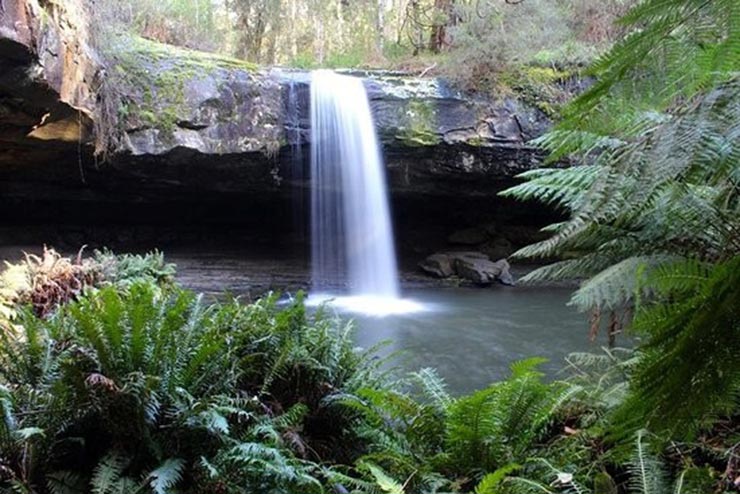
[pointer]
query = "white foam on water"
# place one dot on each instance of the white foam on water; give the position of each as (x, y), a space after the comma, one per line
(368, 305)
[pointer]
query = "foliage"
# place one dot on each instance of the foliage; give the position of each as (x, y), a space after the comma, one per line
(461, 438)
(395, 33)
(496, 426)
(100, 381)
(139, 386)
(49, 280)
(654, 205)
(693, 347)
(493, 35)
(126, 269)
(187, 23)
(14, 281)
(660, 179)
(44, 282)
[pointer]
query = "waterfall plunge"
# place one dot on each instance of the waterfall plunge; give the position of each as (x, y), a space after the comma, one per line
(351, 234)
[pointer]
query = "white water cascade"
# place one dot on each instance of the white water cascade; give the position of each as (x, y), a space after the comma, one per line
(351, 234)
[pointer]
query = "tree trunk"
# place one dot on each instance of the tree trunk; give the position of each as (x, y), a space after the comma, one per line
(380, 27)
(293, 31)
(443, 15)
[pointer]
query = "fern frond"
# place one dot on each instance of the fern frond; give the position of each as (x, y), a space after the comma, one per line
(646, 472)
(433, 387)
(166, 476)
(108, 472)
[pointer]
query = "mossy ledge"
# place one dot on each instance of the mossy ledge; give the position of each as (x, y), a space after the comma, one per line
(162, 94)
(187, 125)
(160, 73)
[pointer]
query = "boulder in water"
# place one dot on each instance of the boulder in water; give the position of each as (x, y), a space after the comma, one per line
(478, 270)
(438, 265)
(505, 277)
(469, 265)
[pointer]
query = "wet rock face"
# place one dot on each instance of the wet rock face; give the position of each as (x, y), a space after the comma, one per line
(46, 77)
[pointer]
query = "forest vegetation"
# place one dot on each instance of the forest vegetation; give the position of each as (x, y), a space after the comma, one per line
(471, 40)
(113, 379)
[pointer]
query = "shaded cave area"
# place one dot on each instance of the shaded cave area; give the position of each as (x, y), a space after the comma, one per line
(262, 236)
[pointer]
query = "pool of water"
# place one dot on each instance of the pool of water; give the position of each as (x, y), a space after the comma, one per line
(471, 336)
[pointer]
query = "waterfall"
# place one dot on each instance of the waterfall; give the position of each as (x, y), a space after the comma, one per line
(351, 234)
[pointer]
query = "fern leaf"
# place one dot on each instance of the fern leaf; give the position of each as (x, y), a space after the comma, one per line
(166, 476)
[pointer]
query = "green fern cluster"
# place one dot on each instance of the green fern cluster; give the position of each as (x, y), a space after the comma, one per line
(580, 455)
(130, 268)
(141, 388)
(520, 436)
(645, 472)
(100, 380)
(435, 442)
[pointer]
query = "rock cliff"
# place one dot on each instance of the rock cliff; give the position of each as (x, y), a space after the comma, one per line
(180, 123)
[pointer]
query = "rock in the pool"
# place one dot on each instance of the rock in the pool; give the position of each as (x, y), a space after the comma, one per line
(481, 271)
(439, 265)
(505, 277)
(469, 265)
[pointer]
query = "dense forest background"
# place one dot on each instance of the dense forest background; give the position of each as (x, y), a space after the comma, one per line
(454, 37)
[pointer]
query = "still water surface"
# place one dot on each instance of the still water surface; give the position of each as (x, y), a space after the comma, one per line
(472, 336)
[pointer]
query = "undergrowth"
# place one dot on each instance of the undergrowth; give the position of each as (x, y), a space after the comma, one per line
(136, 385)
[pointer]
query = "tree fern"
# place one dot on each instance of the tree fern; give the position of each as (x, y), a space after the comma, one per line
(689, 365)
(657, 139)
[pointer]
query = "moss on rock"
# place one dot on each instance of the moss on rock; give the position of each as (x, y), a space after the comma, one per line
(152, 78)
(540, 87)
(419, 127)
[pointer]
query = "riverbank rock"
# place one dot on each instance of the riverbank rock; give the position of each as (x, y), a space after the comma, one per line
(472, 266)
